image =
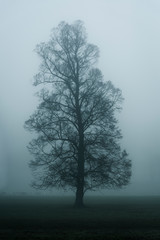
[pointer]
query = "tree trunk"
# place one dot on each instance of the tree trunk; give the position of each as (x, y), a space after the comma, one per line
(79, 197)
(80, 176)
(80, 166)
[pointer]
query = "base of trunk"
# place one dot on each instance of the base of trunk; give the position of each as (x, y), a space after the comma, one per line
(79, 201)
(78, 204)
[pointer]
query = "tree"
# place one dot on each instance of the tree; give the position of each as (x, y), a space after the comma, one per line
(77, 138)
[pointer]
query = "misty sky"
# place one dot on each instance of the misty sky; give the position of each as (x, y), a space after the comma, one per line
(128, 36)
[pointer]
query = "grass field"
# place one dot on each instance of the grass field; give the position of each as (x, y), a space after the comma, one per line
(102, 218)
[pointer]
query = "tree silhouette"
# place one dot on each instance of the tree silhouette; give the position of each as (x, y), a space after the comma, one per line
(77, 138)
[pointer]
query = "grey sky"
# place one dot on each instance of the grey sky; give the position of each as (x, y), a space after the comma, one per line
(128, 35)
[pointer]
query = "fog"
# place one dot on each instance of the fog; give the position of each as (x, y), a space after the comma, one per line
(128, 36)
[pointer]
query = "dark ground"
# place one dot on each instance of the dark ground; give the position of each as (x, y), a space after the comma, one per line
(38, 218)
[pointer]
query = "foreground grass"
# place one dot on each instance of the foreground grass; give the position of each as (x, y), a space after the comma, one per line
(102, 218)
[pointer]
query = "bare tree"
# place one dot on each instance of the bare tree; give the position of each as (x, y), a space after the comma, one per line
(77, 142)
